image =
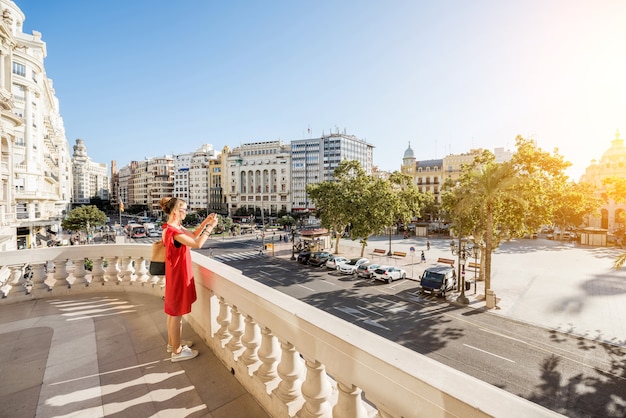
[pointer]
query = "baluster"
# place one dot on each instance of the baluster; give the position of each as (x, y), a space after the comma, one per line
(316, 391)
(27, 279)
(15, 274)
(268, 355)
(224, 320)
(112, 271)
(250, 340)
(126, 273)
(60, 273)
(289, 370)
(349, 402)
(235, 330)
(39, 277)
(97, 272)
(80, 274)
(141, 272)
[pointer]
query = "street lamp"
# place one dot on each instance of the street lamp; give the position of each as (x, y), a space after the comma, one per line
(461, 252)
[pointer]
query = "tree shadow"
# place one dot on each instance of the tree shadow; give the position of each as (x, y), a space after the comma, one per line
(591, 393)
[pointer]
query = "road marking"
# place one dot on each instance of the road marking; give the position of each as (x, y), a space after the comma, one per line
(369, 310)
(307, 288)
(376, 324)
(351, 311)
(487, 352)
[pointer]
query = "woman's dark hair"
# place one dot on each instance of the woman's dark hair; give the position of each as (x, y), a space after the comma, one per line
(168, 204)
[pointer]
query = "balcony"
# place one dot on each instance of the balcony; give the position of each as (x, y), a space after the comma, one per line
(260, 349)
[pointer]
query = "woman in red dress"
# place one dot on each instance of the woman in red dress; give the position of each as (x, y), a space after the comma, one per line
(180, 289)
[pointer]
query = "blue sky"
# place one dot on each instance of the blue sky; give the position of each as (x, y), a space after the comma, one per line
(142, 78)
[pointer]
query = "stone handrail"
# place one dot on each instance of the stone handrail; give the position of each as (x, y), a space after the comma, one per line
(283, 351)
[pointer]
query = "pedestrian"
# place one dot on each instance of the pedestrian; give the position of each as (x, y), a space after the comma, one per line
(427, 245)
(180, 290)
(423, 257)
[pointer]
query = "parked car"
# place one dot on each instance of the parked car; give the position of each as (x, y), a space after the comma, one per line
(389, 273)
(349, 267)
(319, 258)
(304, 256)
(335, 261)
(438, 280)
(366, 270)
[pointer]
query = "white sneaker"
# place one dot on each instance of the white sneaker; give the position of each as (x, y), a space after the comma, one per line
(185, 354)
(182, 342)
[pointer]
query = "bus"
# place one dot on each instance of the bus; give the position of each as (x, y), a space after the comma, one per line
(135, 231)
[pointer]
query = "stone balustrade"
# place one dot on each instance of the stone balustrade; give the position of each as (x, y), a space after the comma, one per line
(296, 360)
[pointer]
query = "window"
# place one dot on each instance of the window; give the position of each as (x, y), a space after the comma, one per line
(19, 69)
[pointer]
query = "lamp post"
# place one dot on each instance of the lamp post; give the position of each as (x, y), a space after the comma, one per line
(461, 252)
(293, 239)
(476, 254)
(389, 253)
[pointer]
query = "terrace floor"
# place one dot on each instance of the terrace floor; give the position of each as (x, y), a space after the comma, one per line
(103, 354)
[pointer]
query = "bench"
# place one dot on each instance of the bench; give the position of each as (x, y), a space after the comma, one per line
(445, 261)
(399, 254)
(378, 251)
(473, 265)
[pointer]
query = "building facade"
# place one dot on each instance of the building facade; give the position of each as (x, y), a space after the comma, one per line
(426, 174)
(314, 160)
(611, 164)
(36, 170)
(258, 179)
(90, 179)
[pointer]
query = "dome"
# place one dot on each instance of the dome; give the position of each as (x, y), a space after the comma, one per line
(617, 150)
(409, 152)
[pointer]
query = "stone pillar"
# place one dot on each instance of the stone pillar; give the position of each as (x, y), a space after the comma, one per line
(289, 370)
(268, 355)
(250, 340)
(316, 391)
(235, 330)
(349, 403)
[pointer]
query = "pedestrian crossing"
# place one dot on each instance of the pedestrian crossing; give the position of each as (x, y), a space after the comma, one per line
(241, 255)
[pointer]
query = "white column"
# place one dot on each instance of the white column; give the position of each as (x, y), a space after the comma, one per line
(235, 330)
(268, 355)
(250, 340)
(316, 391)
(289, 371)
(349, 403)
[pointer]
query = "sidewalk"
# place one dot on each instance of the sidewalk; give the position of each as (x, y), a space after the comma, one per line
(560, 286)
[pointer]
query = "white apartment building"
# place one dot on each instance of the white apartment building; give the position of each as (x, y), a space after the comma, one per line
(258, 178)
(182, 165)
(199, 185)
(315, 160)
(90, 178)
(35, 165)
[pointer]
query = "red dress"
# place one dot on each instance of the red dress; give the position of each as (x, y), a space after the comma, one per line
(180, 288)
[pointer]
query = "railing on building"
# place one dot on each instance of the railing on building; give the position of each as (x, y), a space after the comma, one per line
(293, 358)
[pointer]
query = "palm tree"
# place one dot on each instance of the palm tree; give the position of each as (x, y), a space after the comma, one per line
(486, 196)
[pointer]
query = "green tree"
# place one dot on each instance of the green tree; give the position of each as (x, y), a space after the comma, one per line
(616, 190)
(576, 201)
(335, 200)
(496, 201)
(83, 218)
(224, 223)
(286, 220)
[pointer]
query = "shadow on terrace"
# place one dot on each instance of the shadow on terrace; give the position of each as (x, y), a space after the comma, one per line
(94, 341)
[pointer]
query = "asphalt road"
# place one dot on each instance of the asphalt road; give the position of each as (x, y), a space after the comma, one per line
(571, 375)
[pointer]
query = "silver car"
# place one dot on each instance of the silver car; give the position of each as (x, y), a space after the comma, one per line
(333, 262)
(366, 270)
(350, 267)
